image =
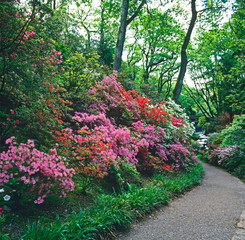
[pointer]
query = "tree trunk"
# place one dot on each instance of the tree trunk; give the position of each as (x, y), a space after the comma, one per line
(180, 79)
(122, 31)
(146, 76)
(102, 34)
(121, 36)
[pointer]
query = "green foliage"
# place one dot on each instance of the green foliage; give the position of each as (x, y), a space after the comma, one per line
(110, 212)
(44, 229)
(202, 121)
(80, 72)
(179, 184)
(214, 139)
(215, 124)
(195, 136)
(3, 236)
(195, 145)
(218, 71)
(161, 36)
(187, 103)
(120, 176)
(227, 149)
(234, 134)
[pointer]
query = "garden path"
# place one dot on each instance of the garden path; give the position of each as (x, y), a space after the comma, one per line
(208, 212)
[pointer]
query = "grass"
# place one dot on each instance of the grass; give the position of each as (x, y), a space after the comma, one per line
(109, 213)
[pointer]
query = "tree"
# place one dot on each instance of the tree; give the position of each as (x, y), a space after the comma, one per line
(124, 22)
(218, 73)
(156, 47)
(212, 8)
(183, 66)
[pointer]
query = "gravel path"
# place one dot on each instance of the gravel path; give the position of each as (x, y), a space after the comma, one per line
(208, 212)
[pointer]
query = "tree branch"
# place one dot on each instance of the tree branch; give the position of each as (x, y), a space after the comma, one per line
(136, 12)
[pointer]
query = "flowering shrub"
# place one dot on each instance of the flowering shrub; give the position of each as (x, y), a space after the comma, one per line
(228, 157)
(177, 126)
(180, 157)
(38, 120)
(126, 107)
(222, 121)
(148, 124)
(86, 152)
(27, 59)
(151, 156)
(24, 167)
(112, 99)
(96, 146)
(226, 149)
(149, 164)
(120, 140)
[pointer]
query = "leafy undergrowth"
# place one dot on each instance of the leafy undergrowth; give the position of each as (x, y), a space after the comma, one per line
(226, 149)
(101, 216)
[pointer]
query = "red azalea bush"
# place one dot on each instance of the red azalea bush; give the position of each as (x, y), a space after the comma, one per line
(149, 164)
(124, 107)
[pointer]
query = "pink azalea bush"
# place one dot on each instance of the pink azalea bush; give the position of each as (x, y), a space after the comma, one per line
(110, 98)
(122, 143)
(37, 171)
(151, 138)
(180, 157)
(229, 157)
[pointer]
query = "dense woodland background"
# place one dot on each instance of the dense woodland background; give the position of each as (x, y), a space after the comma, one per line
(156, 39)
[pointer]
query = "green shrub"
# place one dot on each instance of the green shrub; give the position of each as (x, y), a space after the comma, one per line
(235, 133)
(3, 236)
(214, 139)
(120, 176)
(195, 136)
(195, 145)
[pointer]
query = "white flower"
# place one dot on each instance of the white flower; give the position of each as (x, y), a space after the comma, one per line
(1, 190)
(6, 198)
